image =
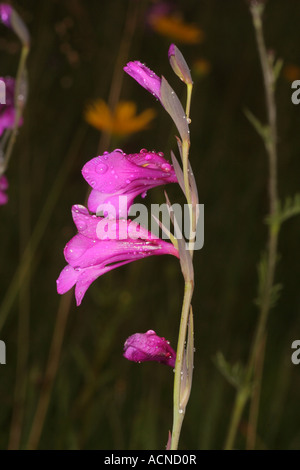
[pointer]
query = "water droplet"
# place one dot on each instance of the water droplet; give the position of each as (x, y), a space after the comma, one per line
(189, 120)
(82, 226)
(148, 157)
(166, 167)
(144, 194)
(143, 151)
(128, 181)
(101, 168)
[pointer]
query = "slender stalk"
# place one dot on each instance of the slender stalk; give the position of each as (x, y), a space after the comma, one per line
(51, 371)
(39, 230)
(188, 101)
(240, 402)
(64, 306)
(19, 104)
(252, 373)
(178, 406)
(254, 407)
(24, 313)
(179, 411)
(117, 77)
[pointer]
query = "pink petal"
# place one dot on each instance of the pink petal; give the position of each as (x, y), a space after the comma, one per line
(67, 279)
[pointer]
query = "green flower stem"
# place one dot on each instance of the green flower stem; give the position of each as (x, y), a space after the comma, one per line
(240, 402)
(179, 404)
(179, 411)
(188, 100)
(252, 373)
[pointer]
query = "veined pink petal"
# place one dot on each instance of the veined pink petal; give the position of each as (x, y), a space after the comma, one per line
(67, 279)
(115, 205)
(100, 228)
(93, 251)
(117, 174)
(144, 76)
(89, 275)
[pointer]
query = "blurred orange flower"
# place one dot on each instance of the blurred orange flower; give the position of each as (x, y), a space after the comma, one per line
(175, 28)
(291, 72)
(201, 67)
(122, 121)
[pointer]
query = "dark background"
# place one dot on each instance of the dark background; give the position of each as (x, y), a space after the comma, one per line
(98, 399)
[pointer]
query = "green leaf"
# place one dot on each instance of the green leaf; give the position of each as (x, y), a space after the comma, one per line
(285, 211)
(235, 374)
(262, 129)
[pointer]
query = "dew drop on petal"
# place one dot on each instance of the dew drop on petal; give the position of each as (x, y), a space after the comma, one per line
(101, 168)
(166, 167)
(82, 226)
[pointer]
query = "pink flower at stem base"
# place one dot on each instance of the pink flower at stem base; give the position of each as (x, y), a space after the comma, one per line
(103, 245)
(116, 174)
(142, 347)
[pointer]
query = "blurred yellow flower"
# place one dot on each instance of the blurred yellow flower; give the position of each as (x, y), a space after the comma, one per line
(291, 72)
(122, 121)
(176, 29)
(201, 67)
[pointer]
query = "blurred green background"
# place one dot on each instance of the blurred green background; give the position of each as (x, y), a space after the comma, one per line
(98, 399)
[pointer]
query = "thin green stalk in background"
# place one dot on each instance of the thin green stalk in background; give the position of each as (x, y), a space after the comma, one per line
(39, 230)
(251, 385)
(65, 303)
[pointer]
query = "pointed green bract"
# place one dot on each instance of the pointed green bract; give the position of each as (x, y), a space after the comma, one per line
(179, 65)
(173, 106)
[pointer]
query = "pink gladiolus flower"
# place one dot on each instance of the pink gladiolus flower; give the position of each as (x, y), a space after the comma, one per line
(116, 174)
(142, 347)
(102, 245)
(5, 14)
(144, 76)
(3, 187)
(7, 110)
